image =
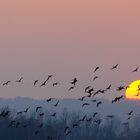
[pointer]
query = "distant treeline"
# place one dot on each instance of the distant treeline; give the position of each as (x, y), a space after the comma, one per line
(64, 126)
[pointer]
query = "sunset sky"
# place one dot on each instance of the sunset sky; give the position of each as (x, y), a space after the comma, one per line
(67, 38)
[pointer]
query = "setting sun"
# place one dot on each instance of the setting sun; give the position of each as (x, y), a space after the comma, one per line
(133, 90)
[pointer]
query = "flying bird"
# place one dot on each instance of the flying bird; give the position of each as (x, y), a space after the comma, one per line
(130, 113)
(39, 107)
(98, 121)
(53, 115)
(120, 88)
(19, 81)
(74, 81)
(48, 100)
(26, 110)
(90, 91)
(85, 104)
(41, 125)
(36, 132)
(42, 114)
(96, 69)
(117, 99)
(56, 104)
(44, 83)
(66, 128)
(95, 77)
(6, 83)
(94, 101)
(115, 67)
(87, 88)
(99, 103)
(83, 119)
(135, 70)
(75, 125)
(82, 98)
(94, 115)
(89, 120)
(71, 88)
(109, 87)
(69, 132)
(19, 113)
(55, 84)
(35, 82)
(110, 116)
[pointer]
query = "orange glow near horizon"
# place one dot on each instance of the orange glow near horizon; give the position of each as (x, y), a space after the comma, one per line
(133, 91)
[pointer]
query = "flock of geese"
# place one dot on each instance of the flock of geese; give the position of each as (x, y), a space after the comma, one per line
(90, 93)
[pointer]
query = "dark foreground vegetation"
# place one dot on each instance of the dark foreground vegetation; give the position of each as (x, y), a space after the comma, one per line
(65, 126)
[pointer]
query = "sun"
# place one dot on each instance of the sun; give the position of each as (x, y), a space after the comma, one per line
(133, 90)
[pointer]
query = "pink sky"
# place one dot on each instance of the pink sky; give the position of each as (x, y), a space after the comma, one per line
(64, 36)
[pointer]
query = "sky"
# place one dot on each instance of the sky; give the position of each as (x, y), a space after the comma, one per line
(67, 39)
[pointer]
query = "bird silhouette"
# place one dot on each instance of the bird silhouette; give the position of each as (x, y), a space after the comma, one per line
(44, 83)
(97, 92)
(135, 70)
(36, 132)
(56, 104)
(102, 91)
(90, 91)
(39, 107)
(138, 94)
(19, 113)
(120, 88)
(130, 113)
(5, 114)
(66, 128)
(138, 88)
(19, 81)
(68, 133)
(83, 119)
(74, 81)
(96, 69)
(72, 87)
(129, 118)
(49, 100)
(98, 121)
(95, 77)
(55, 84)
(99, 103)
(41, 114)
(35, 82)
(82, 98)
(75, 125)
(117, 99)
(89, 120)
(110, 116)
(115, 67)
(53, 115)
(85, 104)
(94, 115)
(25, 111)
(109, 87)
(87, 89)
(6, 83)
(2, 113)
(94, 101)
(41, 125)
